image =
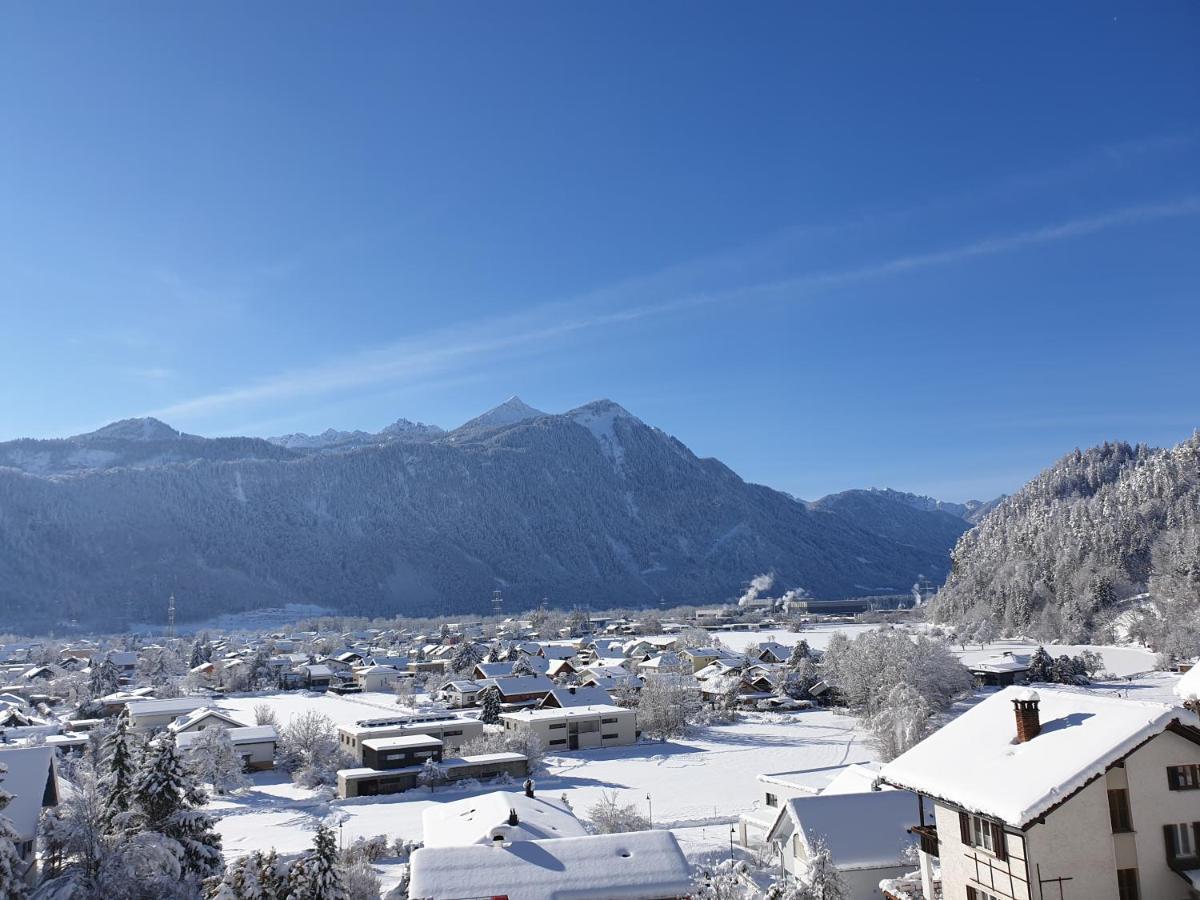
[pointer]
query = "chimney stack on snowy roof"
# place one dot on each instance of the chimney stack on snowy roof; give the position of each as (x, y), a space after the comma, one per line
(513, 819)
(1029, 721)
(529, 788)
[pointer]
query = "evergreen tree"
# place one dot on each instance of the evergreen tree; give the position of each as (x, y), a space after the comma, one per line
(169, 800)
(799, 652)
(315, 876)
(105, 679)
(118, 776)
(523, 667)
(466, 657)
(12, 868)
(1041, 666)
(489, 702)
(494, 653)
(822, 880)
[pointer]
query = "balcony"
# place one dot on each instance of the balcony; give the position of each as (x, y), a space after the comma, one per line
(927, 835)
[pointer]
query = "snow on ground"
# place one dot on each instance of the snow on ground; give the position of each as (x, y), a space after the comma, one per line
(349, 708)
(818, 636)
(1120, 661)
(678, 775)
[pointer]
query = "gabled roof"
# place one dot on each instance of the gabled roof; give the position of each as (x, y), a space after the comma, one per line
(864, 830)
(637, 865)
(976, 763)
(246, 734)
(197, 716)
(478, 820)
(564, 697)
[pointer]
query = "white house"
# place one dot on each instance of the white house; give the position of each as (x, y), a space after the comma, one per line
(637, 865)
(152, 715)
(576, 727)
(866, 833)
(199, 719)
(378, 678)
(254, 744)
(1059, 793)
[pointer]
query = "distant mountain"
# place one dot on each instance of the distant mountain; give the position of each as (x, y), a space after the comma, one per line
(129, 443)
(512, 411)
(331, 439)
(590, 506)
(1098, 526)
(892, 515)
(972, 511)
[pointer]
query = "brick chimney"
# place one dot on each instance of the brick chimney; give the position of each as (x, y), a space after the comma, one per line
(529, 788)
(1029, 721)
(513, 819)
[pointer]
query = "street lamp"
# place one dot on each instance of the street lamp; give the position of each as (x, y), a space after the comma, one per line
(650, 806)
(732, 830)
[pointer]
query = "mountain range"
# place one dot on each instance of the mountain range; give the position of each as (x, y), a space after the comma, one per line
(591, 506)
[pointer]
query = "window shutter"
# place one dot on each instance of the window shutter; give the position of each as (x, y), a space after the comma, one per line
(999, 841)
(972, 894)
(964, 827)
(1169, 837)
(1172, 778)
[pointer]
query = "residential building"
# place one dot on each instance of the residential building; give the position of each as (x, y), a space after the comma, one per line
(453, 731)
(152, 715)
(866, 833)
(638, 865)
(499, 817)
(254, 744)
(576, 727)
(1059, 793)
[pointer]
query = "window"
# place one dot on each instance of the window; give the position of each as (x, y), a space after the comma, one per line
(1183, 778)
(558, 725)
(609, 737)
(985, 834)
(1118, 811)
(457, 733)
(1127, 884)
(1181, 840)
(586, 727)
(559, 741)
(974, 893)
(612, 721)
(772, 800)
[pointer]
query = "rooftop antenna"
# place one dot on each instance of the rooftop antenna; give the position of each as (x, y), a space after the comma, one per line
(497, 603)
(171, 616)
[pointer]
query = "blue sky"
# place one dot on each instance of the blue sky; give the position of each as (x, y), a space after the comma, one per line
(834, 245)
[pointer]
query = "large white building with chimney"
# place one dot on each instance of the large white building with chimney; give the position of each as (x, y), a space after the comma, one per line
(1058, 794)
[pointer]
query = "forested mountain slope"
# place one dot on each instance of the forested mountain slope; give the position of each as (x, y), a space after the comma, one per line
(591, 506)
(1098, 526)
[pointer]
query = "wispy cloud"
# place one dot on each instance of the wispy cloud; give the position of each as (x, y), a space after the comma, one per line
(487, 341)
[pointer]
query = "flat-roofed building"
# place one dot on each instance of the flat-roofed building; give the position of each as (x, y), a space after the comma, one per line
(576, 727)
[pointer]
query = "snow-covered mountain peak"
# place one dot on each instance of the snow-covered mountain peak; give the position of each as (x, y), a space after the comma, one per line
(600, 417)
(510, 412)
(407, 426)
(141, 430)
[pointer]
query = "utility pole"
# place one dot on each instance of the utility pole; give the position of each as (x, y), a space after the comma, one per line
(171, 616)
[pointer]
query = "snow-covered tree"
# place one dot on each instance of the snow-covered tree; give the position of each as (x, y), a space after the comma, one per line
(118, 767)
(902, 722)
(12, 868)
(215, 761)
(105, 678)
(821, 879)
(800, 652)
(523, 667)
(308, 748)
(360, 881)
(431, 774)
(317, 875)
(667, 705)
(609, 816)
(489, 705)
(169, 801)
(466, 657)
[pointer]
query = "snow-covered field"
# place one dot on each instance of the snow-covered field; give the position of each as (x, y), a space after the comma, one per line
(697, 786)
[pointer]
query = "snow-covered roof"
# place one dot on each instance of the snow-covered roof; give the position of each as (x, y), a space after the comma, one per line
(188, 720)
(1007, 662)
(173, 706)
(401, 742)
(521, 684)
(571, 712)
(976, 762)
(863, 830)
(480, 820)
(246, 734)
(638, 865)
(29, 770)
(579, 696)
(1188, 688)
(854, 779)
